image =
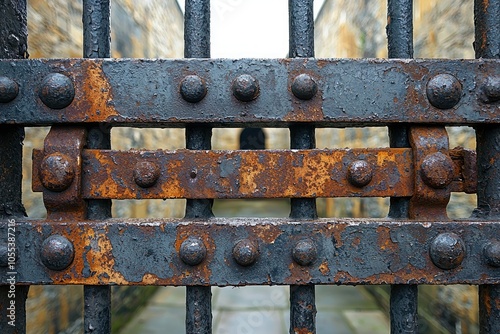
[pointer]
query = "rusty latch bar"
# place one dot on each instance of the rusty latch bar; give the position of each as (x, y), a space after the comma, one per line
(256, 174)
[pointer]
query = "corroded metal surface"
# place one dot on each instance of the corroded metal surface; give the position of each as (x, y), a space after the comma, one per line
(346, 251)
(343, 92)
(259, 174)
(59, 169)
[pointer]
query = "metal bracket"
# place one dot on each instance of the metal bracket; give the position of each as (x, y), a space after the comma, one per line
(434, 171)
(57, 172)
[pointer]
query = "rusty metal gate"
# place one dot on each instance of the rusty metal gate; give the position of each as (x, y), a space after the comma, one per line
(79, 174)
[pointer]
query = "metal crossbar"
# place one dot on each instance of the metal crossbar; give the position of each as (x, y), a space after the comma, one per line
(79, 174)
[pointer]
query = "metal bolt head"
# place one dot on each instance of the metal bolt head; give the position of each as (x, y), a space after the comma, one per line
(437, 170)
(193, 89)
(304, 87)
(491, 89)
(304, 252)
(359, 173)
(56, 91)
(246, 88)
(444, 91)
(245, 252)
(146, 173)
(447, 251)
(8, 89)
(192, 251)
(57, 172)
(57, 252)
(492, 253)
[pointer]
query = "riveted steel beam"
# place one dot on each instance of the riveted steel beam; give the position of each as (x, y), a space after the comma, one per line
(255, 174)
(285, 251)
(321, 92)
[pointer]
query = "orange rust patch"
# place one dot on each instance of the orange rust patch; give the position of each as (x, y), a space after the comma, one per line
(325, 270)
(97, 93)
(384, 239)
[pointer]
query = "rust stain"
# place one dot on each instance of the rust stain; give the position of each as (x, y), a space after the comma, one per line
(324, 269)
(384, 239)
(97, 94)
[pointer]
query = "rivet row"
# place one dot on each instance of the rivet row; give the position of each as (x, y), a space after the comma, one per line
(444, 91)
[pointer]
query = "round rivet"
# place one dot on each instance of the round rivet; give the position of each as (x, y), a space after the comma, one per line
(447, 251)
(304, 252)
(492, 253)
(245, 252)
(491, 89)
(56, 91)
(8, 89)
(359, 173)
(304, 87)
(4, 257)
(437, 170)
(146, 173)
(444, 91)
(56, 172)
(192, 251)
(245, 88)
(57, 252)
(193, 89)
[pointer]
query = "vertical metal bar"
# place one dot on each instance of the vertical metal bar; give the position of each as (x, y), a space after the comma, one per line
(487, 45)
(198, 137)
(301, 44)
(96, 44)
(403, 301)
(13, 34)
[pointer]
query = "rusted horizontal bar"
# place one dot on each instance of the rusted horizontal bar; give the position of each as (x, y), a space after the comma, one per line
(255, 174)
(255, 251)
(250, 92)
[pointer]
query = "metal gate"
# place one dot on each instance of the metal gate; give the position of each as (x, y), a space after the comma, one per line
(78, 173)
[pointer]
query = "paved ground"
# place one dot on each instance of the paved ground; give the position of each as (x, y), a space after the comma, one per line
(263, 310)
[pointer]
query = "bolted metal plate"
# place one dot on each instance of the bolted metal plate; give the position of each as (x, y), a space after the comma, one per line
(253, 92)
(323, 251)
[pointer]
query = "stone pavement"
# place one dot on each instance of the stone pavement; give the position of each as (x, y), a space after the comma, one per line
(263, 310)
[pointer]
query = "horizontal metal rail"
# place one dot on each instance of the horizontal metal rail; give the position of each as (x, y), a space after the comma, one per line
(249, 92)
(255, 251)
(250, 174)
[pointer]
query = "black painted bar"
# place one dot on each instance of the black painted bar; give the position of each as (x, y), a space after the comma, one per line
(302, 136)
(403, 301)
(13, 34)
(96, 44)
(198, 137)
(487, 45)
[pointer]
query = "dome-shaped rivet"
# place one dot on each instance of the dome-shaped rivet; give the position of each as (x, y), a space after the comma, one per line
(447, 251)
(57, 172)
(146, 173)
(193, 89)
(437, 170)
(8, 89)
(245, 88)
(304, 252)
(492, 253)
(359, 173)
(56, 91)
(245, 252)
(304, 87)
(192, 251)
(57, 252)
(444, 91)
(491, 89)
